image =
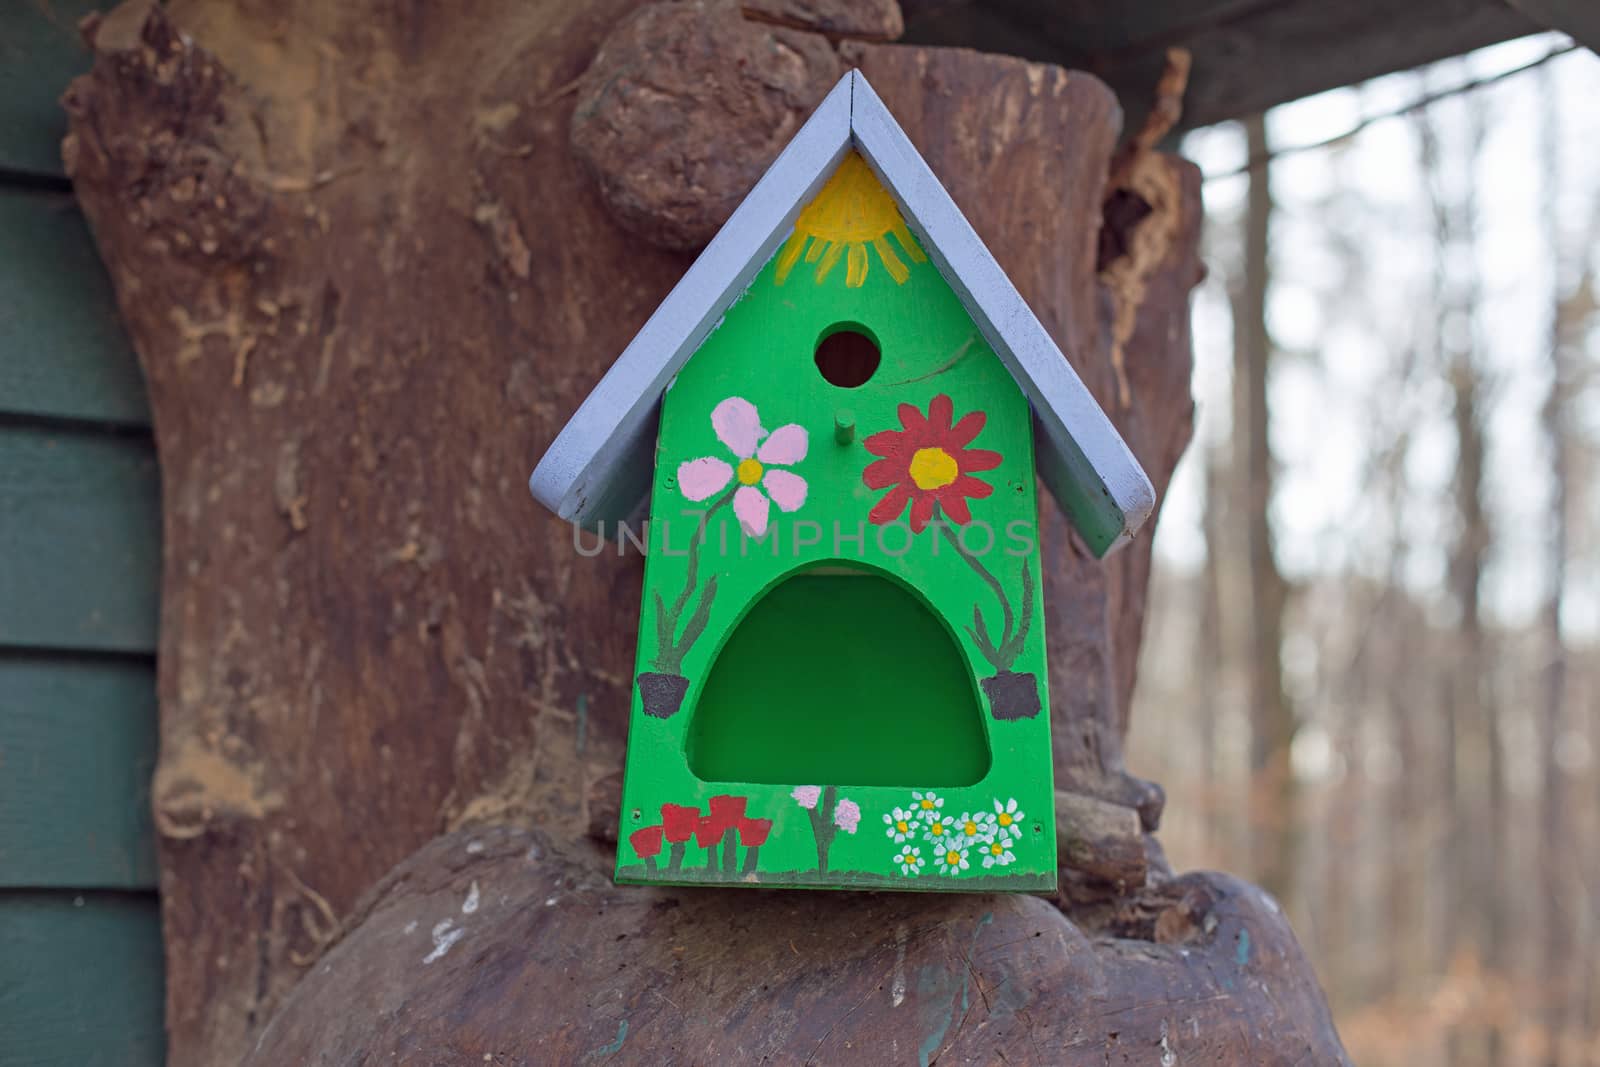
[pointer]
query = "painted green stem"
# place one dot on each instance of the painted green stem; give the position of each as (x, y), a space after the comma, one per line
(670, 646)
(1003, 654)
(822, 827)
(675, 862)
(730, 850)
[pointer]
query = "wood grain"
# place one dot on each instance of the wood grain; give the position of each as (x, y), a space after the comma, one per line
(1248, 55)
(361, 313)
(491, 930)
(80, 540)
(78, 747)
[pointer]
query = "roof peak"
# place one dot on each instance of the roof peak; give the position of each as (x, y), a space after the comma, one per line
(598, 468)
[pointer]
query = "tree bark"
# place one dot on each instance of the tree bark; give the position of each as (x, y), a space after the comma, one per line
(363, 313)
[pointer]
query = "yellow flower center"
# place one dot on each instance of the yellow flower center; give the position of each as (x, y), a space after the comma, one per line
(749, 471)
(901, 826)
(927, 805)
(952, 858)
(996, 848)
(1005, 820)
(938, 830)
(971, 828)
(932, 468)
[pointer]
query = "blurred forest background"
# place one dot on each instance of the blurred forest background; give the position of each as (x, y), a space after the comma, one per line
(1373, 675)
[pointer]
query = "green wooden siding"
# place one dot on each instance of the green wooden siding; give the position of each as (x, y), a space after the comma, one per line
(40, 52)
(80, 980)
(80, 931)
(66, 355)
(80, 539)
(78, 747)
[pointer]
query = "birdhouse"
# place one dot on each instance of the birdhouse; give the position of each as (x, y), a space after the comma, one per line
(839, 418)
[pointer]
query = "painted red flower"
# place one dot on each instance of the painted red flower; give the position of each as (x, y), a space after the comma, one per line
(646, 842)
(679, 822)
(753, 832)
(727, 810)
(928, 464)
(708, 831)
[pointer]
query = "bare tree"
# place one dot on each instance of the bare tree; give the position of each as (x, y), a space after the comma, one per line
(1272, 792)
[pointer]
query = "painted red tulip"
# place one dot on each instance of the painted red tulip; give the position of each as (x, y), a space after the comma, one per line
(646, 842)
(727, 810)
(753, 832)
(708, 831)
(679, 822)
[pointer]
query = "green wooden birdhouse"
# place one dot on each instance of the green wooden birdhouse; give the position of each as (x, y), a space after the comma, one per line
(839, 418)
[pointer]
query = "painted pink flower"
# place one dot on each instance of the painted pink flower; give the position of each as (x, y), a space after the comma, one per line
(760, 455)
(807, 795)
(847, 815)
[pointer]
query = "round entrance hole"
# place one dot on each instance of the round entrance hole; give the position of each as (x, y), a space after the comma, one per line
(847, 355)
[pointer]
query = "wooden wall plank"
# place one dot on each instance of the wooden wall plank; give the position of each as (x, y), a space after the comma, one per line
(40, 51)
(77, 749)
(62, 349)
(80, 540)
(80, 980)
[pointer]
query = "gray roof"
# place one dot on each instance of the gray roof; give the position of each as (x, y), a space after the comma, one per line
(599, 467)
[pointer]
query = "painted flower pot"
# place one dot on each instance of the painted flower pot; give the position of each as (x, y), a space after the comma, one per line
(1012, 695)
(662, 693)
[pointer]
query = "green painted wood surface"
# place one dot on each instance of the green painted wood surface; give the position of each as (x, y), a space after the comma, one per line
(62, 349)
(77, 749)
(838, 829)
(40, 52)
(80, 980)
(853, 626)
(80, 540)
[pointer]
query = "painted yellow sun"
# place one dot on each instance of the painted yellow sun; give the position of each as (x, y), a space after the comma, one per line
(851, 213)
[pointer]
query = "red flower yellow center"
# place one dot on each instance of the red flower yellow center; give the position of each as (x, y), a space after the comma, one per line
(749, 471)
(932, 468)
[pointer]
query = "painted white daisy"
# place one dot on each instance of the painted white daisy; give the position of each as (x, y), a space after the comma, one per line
(951, 860)
(910, 860)
(997, 853)
(938, 828)
(900, 825)
(975, 827)
(1008, 818)
(926, 804)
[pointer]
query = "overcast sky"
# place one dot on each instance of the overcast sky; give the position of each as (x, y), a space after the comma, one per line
(1352, 316)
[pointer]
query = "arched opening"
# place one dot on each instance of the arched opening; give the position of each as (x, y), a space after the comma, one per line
(839, 677)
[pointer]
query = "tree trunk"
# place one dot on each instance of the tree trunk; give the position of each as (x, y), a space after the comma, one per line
(1272, 788)
(372, 257)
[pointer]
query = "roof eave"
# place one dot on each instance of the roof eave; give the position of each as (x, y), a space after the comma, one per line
(1083, 460)
(588, 470)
